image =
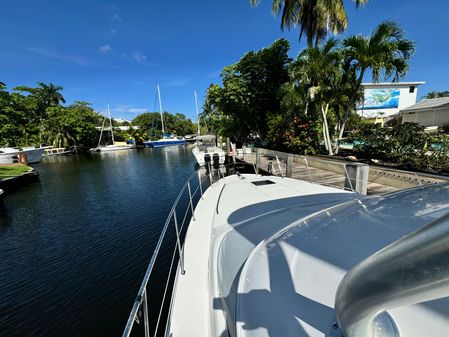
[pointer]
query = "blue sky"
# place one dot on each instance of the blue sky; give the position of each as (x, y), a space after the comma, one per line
(117, 52)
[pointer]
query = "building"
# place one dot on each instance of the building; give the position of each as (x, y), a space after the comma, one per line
(383, 101)
(428, 113)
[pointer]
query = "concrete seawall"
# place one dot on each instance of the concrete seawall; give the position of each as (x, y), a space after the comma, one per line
(11, 184)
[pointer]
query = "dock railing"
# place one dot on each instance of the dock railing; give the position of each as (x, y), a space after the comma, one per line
(337, 173)
(180, 215)
(344, 175)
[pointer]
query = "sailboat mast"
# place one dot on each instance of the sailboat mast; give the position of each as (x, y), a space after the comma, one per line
(101, 132)
(197, 112)
(110, 124)
(160, 108)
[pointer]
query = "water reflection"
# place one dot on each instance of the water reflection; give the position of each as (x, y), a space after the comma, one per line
(74, 246)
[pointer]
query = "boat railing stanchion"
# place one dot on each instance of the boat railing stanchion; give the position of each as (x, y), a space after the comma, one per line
(418, 178)
(210, 173)
(308, 169)
(255, 169)
(178, 241)
(145, 314)
(279, 166)
(349, 179)
(200, 185)
(191, 202)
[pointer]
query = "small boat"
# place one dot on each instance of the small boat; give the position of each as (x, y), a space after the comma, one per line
(9, 154)
(115, 146)
(167, 139)
(204, 154)
(56, 151)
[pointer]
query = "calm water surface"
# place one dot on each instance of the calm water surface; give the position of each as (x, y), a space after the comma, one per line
(74, 246)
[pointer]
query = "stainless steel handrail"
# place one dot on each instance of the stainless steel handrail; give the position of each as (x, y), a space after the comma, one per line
(142, 295)
(141, 300)
(411, 270)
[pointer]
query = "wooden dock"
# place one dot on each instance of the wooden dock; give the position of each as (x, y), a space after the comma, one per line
(332, 173)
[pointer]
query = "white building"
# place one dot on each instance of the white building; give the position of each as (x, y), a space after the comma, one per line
(430, 112)
(383, 101)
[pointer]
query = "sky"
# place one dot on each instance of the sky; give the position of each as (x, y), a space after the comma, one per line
(117, 52)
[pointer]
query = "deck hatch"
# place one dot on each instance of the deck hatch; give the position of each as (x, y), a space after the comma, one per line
(263, 182)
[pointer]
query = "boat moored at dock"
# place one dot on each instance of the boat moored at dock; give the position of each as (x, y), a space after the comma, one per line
(204, 154)
(33, 154)
(168, 140)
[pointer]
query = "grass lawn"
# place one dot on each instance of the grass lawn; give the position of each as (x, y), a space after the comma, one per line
(12, 170)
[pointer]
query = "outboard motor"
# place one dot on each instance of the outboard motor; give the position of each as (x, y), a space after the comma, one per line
(207, 159)
(216, 159)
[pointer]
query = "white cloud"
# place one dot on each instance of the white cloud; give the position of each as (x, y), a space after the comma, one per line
(116, 17)
(80, 60)
(139, 57)
(128, 109)
(179, 82)
(106, 49)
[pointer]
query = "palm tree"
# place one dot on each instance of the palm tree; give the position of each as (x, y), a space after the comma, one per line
(317, 18)
(386, 52)
(50, 94)
(319, 70)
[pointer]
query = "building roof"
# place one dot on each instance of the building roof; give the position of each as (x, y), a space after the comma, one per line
(392, 84)
(428, 104)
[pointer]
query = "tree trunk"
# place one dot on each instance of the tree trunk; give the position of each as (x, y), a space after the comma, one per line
(324, 111)
(348, 109)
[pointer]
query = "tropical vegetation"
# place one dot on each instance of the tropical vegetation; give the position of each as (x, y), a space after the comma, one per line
(38, 116)
(298, 104)
(316, 18)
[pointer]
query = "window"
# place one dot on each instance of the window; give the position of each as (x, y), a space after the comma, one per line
(411, 89)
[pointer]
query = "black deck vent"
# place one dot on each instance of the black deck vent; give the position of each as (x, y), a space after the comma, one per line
(263, 182)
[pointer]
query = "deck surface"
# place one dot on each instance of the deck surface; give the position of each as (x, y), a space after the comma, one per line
(319, 176)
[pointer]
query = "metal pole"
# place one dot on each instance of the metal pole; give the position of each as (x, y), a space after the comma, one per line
(160, 109)
(145, 314)
(308, 169)
(191, 203)
(418, 178)
(280, 168)
(178, 240)
(197, 112)
(210, 173)
(110, 123)
(199, 182)
(349, 179)
(411, 270)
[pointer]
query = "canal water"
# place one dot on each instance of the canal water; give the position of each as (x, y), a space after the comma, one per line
(75, 245)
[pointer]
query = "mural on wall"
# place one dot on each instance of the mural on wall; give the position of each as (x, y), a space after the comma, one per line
(380, 99)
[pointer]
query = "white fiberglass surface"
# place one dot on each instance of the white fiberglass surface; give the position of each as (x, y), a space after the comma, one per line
(287, 285)
(250, 214)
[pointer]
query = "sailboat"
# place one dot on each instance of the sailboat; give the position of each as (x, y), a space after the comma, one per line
(167, 139)
(115, 146)
(205, 154)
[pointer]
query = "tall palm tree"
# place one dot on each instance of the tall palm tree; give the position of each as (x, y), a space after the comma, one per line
(386, 52)
(51, 94)
(316, 18)
(319, 69)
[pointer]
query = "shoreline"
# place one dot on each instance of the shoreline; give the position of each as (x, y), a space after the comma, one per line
(14, 183)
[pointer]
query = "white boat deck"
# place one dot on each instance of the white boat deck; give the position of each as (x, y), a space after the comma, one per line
(266, 260)
(199, 302)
